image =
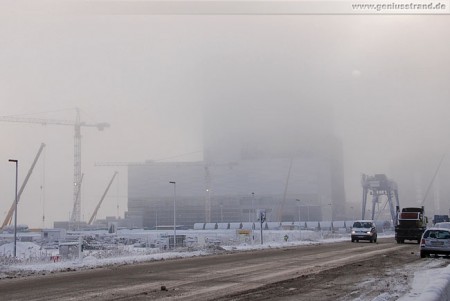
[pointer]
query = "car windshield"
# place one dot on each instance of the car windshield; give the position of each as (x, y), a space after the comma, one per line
(438, 234)
(362, 225)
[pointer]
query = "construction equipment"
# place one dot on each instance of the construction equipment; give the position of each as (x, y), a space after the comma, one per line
(433, 178)
(77, 124)
(94, 214)
(283, 201)
(379, 185)
(74, 226)
(8, 217)
(411, 224)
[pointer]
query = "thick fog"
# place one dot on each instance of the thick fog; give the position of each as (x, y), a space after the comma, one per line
(379, 83)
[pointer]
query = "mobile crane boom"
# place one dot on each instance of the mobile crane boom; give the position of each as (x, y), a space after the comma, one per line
(8, 217)
(101, 200)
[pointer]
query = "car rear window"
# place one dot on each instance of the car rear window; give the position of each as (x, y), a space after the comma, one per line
(439, 234)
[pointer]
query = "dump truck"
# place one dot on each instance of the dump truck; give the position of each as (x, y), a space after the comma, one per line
(411, 223)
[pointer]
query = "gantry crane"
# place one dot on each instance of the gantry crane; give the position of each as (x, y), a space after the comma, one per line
(378, 185)
(77, 124)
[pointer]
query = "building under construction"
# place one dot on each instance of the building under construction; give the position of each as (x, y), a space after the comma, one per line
(292, 169)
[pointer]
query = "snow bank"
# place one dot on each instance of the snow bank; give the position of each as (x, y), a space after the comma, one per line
(430, 285)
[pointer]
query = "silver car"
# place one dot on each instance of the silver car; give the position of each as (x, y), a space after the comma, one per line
(435, 241)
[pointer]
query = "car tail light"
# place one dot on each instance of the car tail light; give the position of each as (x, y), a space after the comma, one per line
(422, 242)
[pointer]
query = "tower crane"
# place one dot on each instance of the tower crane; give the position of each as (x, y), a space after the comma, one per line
(77, 124)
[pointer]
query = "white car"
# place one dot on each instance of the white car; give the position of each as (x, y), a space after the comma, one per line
(364, 230)
(435, 241)
(445, 225)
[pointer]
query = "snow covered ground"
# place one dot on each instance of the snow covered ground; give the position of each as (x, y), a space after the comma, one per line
(34, 258)
(431, 279)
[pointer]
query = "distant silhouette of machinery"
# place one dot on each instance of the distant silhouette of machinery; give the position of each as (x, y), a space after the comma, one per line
(77, 124)
(94, 214)
(10, 213)
(379, 185)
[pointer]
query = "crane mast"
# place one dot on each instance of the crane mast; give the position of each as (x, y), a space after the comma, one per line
(77, 124)
(76, 212)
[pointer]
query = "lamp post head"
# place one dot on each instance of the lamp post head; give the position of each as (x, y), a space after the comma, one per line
(13, 160)
(172, 182)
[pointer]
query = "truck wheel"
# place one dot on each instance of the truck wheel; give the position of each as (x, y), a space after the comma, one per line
(423, 254)
(353, 240)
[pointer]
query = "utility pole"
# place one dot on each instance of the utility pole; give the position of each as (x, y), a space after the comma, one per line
(174, 213)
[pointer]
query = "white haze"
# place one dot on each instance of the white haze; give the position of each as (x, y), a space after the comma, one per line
(381, 81)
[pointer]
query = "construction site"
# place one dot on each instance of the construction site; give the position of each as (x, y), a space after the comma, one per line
(290, 181)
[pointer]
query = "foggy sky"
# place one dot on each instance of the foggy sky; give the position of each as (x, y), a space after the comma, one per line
(382, 82)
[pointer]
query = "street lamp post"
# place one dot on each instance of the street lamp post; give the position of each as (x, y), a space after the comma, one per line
(331, 213)
(15, 207)
(253, 210)
(174, 213)
(298, 207)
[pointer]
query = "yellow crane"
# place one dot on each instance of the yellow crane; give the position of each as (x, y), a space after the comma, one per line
(77, 124)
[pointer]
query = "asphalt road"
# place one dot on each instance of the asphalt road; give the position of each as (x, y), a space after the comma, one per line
(332, 271)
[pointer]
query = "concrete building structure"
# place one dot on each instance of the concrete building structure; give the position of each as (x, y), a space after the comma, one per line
(289, 166)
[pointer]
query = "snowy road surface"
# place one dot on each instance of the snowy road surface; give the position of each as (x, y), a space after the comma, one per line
(338, 271)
